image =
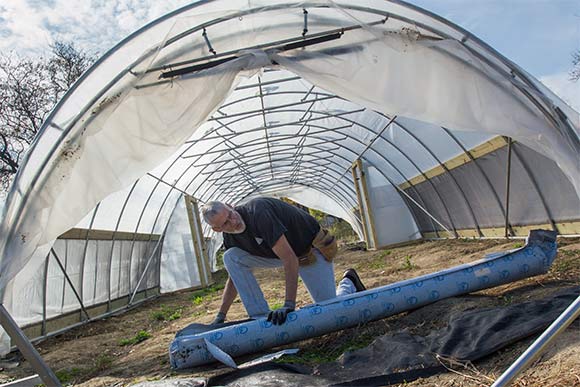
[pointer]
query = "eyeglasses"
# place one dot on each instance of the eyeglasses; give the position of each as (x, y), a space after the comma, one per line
(229, 221)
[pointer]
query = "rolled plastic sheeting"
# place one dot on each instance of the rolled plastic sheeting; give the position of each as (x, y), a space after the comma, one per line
(373, 304)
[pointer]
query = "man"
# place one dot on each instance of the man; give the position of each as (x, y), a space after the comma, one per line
(267, 232)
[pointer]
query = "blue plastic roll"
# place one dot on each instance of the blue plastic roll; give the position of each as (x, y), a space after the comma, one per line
(348, 311)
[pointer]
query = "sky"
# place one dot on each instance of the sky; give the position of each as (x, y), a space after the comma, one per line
(538, 35)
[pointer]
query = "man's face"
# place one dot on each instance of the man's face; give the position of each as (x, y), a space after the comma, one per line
(229, 221)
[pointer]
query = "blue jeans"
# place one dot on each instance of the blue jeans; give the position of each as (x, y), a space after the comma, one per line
(318, 278)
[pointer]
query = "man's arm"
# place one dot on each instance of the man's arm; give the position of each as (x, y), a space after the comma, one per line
(230, 293)
(290, 262)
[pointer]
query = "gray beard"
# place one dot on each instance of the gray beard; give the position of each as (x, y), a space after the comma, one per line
(240, 230)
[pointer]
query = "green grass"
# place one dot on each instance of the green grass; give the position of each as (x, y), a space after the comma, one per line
(210, 290)
(219, 257)
(379, 260)
(323, 354)
(277, 305)
(507, 300)
(67, 375)
(200, 296)
(563, 266)
(103, 362)
(407, 264)
(566, 261)
(570, 253)
(167, 313)
(71, 376)
(139, 337)
(517, 245)
(385, 253)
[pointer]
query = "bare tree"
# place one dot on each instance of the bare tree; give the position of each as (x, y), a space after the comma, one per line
(66, 65)
(29, 90)
(575, 72)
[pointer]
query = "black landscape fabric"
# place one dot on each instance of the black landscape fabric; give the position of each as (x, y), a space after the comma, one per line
(470, 335)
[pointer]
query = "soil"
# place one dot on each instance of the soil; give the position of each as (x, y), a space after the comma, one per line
(92, 355)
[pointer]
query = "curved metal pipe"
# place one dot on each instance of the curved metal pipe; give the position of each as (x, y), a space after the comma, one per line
(340, 117)
(217, 187)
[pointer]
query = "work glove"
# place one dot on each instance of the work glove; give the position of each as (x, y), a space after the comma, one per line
(219, 318)
(278, 316)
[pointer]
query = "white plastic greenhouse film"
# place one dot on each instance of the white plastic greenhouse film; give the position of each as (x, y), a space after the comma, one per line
(23, 297)
(178, 261)
(393, 220)
(117, 144)
(390, 75)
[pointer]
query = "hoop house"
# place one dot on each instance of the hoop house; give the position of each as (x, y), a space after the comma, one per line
(377, 112)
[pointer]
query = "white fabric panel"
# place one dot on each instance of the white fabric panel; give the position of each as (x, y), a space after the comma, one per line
(166, 212)
(23, 298)
(94, 268)
(390, 75)
(25, 294)
(387, 204)
(124, 141)
(178, 264)
(103, 270)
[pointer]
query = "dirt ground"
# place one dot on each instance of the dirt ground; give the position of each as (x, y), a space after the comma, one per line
(107, 352)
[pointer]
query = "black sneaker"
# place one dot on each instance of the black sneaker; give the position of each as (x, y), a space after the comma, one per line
(353, 276)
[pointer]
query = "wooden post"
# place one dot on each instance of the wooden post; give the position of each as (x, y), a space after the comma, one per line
(365, 195)
(359, 200)
(204, 253)
(196, 247)
(507, 186)
(359, 195)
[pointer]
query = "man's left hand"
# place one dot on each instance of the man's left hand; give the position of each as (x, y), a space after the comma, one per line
(278, 316)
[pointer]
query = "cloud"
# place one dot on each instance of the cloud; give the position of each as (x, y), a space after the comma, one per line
(29, 27)
(567, 90)
(21, 27)
(39, 4)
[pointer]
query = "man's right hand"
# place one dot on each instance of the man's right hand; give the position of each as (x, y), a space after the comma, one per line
(278, 316)
(220, 318)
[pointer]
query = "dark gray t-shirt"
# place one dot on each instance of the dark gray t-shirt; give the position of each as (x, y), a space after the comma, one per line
(267, 219)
